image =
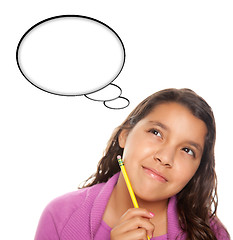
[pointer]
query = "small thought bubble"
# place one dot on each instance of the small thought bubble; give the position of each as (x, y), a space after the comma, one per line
(73, 55)
(113, 104)
(109, 93)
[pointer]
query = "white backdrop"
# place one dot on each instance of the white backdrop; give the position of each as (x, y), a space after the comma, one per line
(50, 144)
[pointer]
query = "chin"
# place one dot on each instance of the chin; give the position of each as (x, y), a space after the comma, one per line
(148, 197)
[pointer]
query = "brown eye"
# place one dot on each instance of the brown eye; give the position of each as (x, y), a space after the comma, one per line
(189, 151)
(156, 132)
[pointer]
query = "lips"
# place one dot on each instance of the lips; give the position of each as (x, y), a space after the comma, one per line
(155, 174)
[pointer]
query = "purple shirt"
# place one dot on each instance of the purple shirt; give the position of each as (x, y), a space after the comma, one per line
(104, 233)
(78, 215)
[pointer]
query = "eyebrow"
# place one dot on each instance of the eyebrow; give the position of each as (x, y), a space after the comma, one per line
(165, 127)
(196, 145)
(159, 124)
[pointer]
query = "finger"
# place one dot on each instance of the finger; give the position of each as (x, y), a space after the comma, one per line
(136, 223)
(136, 234)
(140, 222)
(136, 212)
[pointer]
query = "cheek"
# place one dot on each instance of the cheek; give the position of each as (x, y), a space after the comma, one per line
(184, 173)
(137, 146)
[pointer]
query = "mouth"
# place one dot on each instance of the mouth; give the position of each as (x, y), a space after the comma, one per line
(154, 174)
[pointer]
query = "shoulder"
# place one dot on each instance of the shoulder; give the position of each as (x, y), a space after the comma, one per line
(61, 208)
(58, 212)
(219, 229)
(74, 199)
(75, 213)
(174, 228)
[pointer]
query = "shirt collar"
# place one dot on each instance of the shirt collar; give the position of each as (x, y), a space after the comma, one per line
(101, 201)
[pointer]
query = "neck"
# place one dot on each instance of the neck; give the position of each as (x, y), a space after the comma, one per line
(157, 207)
(121, 195)
(120, 201)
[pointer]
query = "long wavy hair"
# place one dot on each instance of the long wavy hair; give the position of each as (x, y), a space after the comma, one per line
(197, 201)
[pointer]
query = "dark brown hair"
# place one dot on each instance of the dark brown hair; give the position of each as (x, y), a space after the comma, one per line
(197, 201)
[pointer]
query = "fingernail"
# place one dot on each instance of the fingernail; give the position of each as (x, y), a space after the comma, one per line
(152, 214)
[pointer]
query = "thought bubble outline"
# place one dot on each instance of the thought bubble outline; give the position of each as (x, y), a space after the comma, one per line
(111, 99)
(128, 102)
(70, 16)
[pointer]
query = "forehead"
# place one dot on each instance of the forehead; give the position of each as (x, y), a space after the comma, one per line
(176, 118)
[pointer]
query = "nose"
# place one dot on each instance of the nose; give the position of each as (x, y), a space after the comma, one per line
(165, 155)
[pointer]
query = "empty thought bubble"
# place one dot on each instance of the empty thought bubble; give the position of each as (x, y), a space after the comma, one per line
(73, 55)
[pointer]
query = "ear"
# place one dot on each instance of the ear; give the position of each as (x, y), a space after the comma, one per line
(122, 138)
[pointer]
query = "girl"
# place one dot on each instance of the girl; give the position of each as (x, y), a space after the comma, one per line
(167, 144)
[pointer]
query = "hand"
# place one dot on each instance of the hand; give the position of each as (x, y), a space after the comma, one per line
(133, 225)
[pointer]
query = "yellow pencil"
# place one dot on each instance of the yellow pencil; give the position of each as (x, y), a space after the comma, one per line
(129, 186)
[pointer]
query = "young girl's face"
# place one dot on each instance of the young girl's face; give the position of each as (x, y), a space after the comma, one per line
(163, 151)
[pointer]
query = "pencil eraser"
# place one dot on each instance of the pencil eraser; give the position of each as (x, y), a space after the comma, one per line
(119, 157)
